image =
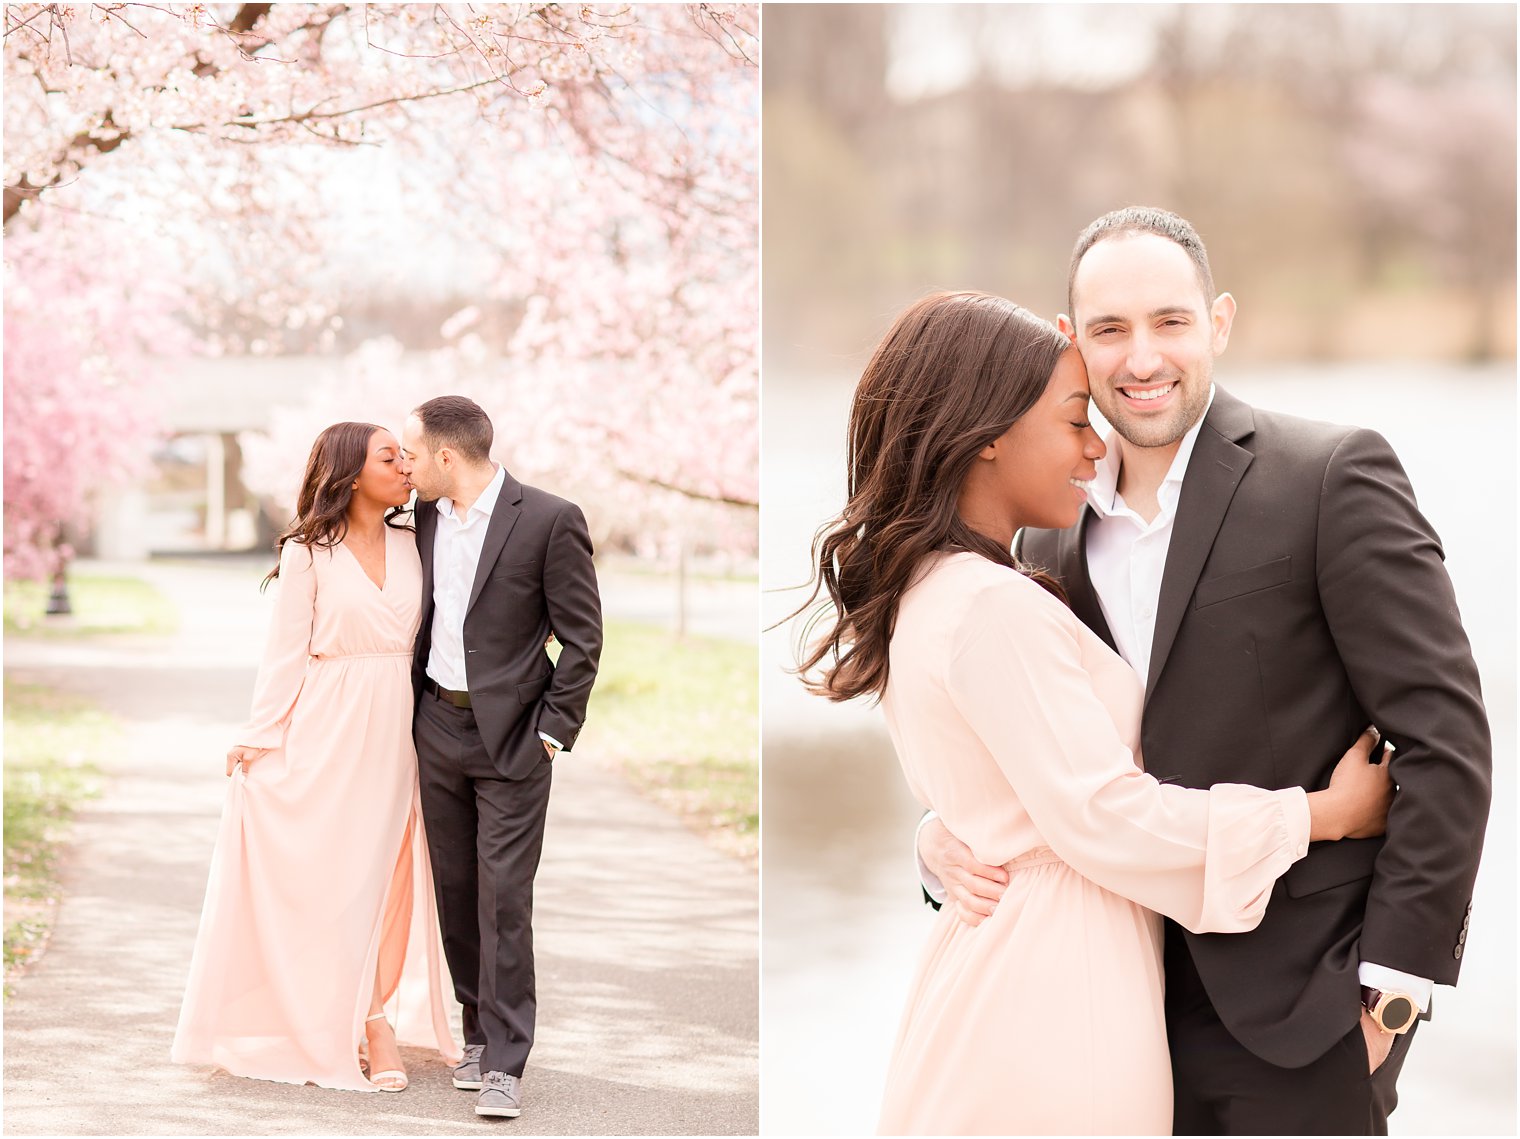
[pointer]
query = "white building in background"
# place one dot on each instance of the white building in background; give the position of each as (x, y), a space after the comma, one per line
(194, 500)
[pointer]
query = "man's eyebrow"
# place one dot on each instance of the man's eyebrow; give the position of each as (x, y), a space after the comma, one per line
(1166, 310)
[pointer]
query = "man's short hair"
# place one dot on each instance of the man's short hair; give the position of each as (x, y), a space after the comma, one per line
(1141, 219)
(457, 423)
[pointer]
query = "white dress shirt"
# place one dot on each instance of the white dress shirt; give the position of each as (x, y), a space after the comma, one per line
(457, 543)
(1126, 556)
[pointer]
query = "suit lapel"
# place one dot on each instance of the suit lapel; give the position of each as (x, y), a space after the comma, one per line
(1071, 557)
(503, 517)
(1215, 470)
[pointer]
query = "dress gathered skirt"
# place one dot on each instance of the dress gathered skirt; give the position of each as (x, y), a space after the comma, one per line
(1021, 728)
(320, 881)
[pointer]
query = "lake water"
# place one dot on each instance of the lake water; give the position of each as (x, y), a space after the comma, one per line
(842, 919)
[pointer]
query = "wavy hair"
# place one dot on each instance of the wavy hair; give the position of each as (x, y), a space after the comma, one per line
(953, 373)
(327, 488)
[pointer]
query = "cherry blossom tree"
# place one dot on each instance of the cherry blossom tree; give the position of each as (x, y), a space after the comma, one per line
(590, 169)
(79, 403)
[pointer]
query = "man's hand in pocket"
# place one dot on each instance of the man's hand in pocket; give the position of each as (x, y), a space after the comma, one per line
(1379, 1043)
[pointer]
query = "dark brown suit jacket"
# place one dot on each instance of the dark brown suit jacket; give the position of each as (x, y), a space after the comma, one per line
(535, 577)
(1304, 597)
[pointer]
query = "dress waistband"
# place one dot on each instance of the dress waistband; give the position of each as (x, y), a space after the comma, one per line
(360, 656)
(1039, 856)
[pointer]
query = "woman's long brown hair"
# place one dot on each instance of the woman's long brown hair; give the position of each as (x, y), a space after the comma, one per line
(952, 374)
(327, 488)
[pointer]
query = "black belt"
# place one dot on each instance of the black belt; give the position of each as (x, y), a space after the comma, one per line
(458, 699)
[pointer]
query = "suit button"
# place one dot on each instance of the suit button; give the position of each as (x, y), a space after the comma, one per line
(1457, 952)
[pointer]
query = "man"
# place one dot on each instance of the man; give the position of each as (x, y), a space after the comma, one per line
(503, 566)
(1273, 582)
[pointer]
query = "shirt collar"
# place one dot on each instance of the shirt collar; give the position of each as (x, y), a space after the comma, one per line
(1103, 495)
(485, 504)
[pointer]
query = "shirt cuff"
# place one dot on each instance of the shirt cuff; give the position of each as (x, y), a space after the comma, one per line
(932, 885)
(1295, 805)
(551, 741)
(1381, 977)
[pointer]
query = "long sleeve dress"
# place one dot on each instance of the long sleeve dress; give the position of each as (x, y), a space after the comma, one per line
(1021, 728)
(320, 875)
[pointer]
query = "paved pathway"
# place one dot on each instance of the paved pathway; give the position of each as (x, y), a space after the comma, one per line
(646, 936)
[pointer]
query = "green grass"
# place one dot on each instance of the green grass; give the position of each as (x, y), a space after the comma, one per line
(49, 739)
(100, 604)
(681, 717)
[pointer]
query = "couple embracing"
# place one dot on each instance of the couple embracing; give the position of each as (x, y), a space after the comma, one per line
(390, 789)
(1238, 932)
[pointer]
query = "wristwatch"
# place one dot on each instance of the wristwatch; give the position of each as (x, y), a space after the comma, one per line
(1391, 1011)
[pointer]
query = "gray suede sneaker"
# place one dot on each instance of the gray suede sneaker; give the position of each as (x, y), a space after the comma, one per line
(500, 1096)
(467, 1071)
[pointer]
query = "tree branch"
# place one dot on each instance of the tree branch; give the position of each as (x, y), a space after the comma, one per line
(661, 484)
(314, 115)
(24, 189)
(240, 27)
(26, 23)
(238, 31)
(247, 16)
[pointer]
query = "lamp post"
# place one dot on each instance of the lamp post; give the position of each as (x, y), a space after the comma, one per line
(58, 600)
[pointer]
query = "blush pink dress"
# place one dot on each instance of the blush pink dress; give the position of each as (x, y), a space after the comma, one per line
(1021, 728)
(320, 875)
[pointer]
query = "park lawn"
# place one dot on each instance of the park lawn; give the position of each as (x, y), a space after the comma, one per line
(49, 739)
(681, 717)
(100, 605)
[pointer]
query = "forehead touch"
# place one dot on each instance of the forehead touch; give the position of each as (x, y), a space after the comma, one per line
(1136, 270)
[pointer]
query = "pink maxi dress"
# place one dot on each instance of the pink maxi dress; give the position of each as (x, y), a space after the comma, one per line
(320, 875)
(1021, 728)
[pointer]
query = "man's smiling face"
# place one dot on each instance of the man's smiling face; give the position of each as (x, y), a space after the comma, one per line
(1148, 335)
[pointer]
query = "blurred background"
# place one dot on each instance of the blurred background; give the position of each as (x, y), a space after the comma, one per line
(229, 225)
(1352, 171)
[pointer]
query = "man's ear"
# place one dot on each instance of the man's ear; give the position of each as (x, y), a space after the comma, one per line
(1222, 316)
(1066, 327)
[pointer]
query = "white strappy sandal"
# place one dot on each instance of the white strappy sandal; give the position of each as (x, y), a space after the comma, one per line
(393, 1074)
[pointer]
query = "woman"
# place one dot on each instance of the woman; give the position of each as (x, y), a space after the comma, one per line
(320, 896)
(1021, 728)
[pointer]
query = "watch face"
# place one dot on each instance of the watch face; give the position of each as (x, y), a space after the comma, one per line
(1397, 1013)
